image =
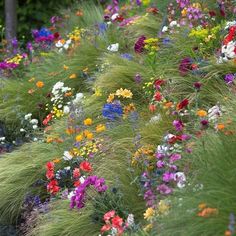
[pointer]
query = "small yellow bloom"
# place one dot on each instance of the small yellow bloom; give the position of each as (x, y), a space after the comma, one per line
(201, 113)
(149, 213)
(88, 121)
(57, 160)
(100, 128)
(89, 135)
(73, 76)
(65, 67)
(111, 98)
(79, 138)
(40, 84)
(148, 227)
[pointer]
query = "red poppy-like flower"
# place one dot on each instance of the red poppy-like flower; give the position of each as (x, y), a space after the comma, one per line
(50, 165)
(182, 104)
(212, 13)
(77, 183)
(47, 119)
(158, 83)
(158, 96)
(76, 173)
(152, 108)
(56, 35)
(85, 166)
(50, 174)
(109, 215)
(175, 139)
(53, 187)
(153, 10)
(105, 228)
(117, 222)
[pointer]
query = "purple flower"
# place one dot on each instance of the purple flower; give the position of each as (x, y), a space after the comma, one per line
(175, 157)
(139, 45)
(138, 78)
(164, 189)
(229, 78)
(168, 177)
(178, 124)
(160, 164)
(183, 3)
(138, 2)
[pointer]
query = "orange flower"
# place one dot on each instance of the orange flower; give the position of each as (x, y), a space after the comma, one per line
(49, 140)
(88, 121)
(201, 206)
(68, 94)
(57, 160)
(70, 131)
(73, 76)
(89, 135)
(201, 113)
(220, 126)
(227, 233)
(40, 84)
(79, 138)
(168, 105)
(152, 108)
(79, 13)
(207, 212)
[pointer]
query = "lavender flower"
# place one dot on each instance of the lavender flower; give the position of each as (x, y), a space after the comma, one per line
(229, 78)
(164, 189)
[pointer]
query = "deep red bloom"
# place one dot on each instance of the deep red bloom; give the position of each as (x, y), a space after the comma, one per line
(85, 166)
(158, 83)
(158, 96)
(53, 187)
(77, 183)
(47, 119)
(175, 139)
(56, 35)
(50, 174)
(139, 45)
(117, 222)
(182, 104)
(185, 66)
(212, 13)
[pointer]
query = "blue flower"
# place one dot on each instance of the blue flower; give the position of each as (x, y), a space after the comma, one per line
(127, 56)
(112, 111)
(44, 32)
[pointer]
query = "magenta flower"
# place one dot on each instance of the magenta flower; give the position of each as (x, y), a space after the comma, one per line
(139, 45)
(164, 189)
(197, 86)
(168, 177)
(178, 124)
(175, 157)
(229, 78)
(160, 164)
(185, 66)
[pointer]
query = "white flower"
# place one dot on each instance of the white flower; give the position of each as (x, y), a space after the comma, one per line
(114, 16)
(214, 113)
(67, 168)
(71, 194)
(67, 156)
(57, 87)
(59, 44)
(82, 179)
(35, 127)
(28, 116)
(34, 121)
(35, 139)
(165, 29)
(78, 98)
(2, 138)
(130, 220)
(113, 47)
(162, 149)
(173, 23)
(229, 24)
(59, 106)
(22, 130)
(155, 119)
(228, 50)
(66, 109)
(180, 178)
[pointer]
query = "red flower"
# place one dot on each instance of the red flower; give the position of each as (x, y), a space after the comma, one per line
(53, 187)
(158, 83)
(50, 165)
(50, 174)
(85, 166)
(76, 173)
(56, 35)
(105, 228)
(153, 10)
(175, 139)
(158, 96)
(47, 119)
(77, 183)
(109, 215)
(117, 222)
(212, 13)
(152, 108)
(182, 104)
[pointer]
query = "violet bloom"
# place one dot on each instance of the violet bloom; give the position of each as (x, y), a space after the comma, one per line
(164, 189)
(139, 45)
(138, 78)
(168, 177)
(185, 137)
(160, 164)
(29, 46)
(138, 2)
(229, 78)
(175, 157)
(183, 3)
(150, 198)
(194, 13)
(178, 124)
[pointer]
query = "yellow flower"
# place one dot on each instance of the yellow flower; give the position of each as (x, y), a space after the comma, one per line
(89, 135)
(149, 213)
(148, 227)
(100, 128)
(32, 79)
(111, 98)
(88, 121)
(73, 76)
(79, 138)
(201, 113)
(65, 67)
(40, 84)
(97, 92)
(146, 2)
(163, 207)
(127, 93)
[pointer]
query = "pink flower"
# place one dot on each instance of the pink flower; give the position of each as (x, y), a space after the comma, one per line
(164, 189)
(109, 215)
(175, 157)
(168, 176)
